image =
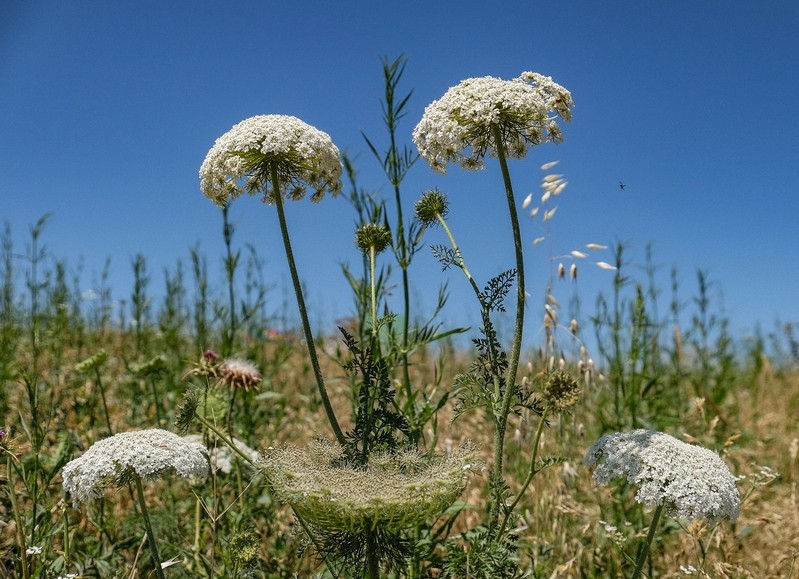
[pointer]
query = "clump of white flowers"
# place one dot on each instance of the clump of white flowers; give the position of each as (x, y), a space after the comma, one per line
(686, 480)
(243, 160)
(147, 454)
(460, 126)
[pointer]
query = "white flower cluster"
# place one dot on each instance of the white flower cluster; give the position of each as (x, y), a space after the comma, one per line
(460, 125)
(689, 481)
(148, 454)
(302, 154)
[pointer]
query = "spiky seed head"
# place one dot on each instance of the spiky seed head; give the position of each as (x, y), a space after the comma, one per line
(394, 492)
(372, 237)
(561, 390)
(151, 368)
(92, 363)
(431, 206)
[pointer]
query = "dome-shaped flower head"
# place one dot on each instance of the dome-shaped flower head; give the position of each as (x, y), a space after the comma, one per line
(148, 454)
(689, 481)
(238, 373)
(460, 126)
(245, 159)
(394, 492)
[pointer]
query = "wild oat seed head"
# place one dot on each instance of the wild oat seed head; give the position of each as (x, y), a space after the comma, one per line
(241, 160)
(689, 481)
(372, 237)
(150, 454)
(238, 373)
(394, 492)
(432, 205)
(561, 390)
(459, 127)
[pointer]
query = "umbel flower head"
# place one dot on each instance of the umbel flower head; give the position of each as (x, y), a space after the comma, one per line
(460, 126)
(238, 373)
(689, 481)
(372, 236)
(393, 492)
(242, 161)
(148, 454)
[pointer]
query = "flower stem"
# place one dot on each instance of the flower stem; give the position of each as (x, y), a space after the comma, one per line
(643, 552)
(159, 571)
(306, 326)
(513, 363)
(531, 473)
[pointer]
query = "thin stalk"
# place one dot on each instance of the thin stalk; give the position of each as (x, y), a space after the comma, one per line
(102, 396)
(230, 270)
(643, 552)
(12, 495)
(159, 571)
(306, 326)
(374, 292)
(513, 363)
(531, 473)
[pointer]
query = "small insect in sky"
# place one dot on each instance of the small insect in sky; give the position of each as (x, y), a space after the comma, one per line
(622, 186)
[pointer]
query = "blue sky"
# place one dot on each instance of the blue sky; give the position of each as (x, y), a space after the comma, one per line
(107, 110)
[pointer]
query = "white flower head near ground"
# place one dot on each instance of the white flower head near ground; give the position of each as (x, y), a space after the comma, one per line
(460, 126)
(689, 481)
(149, 454)
(301, 154)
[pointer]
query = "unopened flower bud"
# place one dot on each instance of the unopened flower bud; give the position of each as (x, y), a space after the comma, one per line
(431, 206)
(372, 237)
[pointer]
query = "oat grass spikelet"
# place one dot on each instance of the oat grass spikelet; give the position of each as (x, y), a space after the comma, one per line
(686, 480)
(242, 160)
(119, 459)
(394, 492)
(460, 126)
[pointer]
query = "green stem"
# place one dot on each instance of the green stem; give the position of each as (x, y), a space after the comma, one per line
(159, 571)
(374, 292)
(643, 552)
(372, 562)
(531, 473)
(12, 495)
(105, 405)
(513, 363)
(306, 326)
(230, 270)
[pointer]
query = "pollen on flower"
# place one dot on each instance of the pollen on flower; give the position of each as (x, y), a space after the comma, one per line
(687, 480)
(148, 454)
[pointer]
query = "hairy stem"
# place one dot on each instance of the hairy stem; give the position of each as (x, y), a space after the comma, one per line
(159, 571)
(643, 552)
(306, 326)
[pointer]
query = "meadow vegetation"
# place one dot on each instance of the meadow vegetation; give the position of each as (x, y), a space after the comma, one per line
(386, 447)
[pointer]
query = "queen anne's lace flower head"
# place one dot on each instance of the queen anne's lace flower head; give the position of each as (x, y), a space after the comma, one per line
(395, 491)
(242, 160)
(149, 454)
(689, 481)
(460, 125)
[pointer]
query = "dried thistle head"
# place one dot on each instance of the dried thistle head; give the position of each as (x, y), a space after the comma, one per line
(238, 373)
(561, 390)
